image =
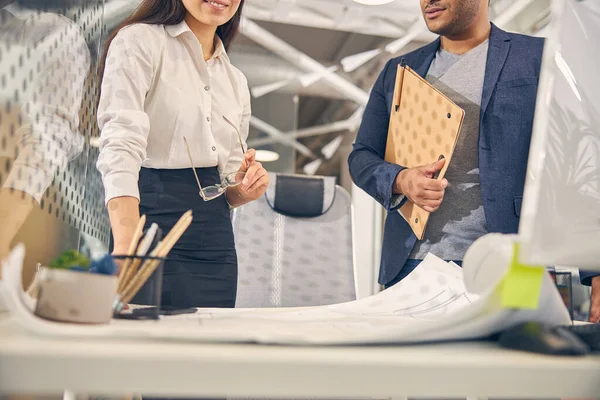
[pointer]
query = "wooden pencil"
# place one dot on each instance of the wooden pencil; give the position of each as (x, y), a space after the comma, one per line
(139, 229)
(161, 251)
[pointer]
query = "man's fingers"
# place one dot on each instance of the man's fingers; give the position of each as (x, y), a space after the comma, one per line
(434, 167)
(595, 309)
(431, 203)
(433, 184)
(595, 300)
(430, 209)
(432, 195)
(594, 314)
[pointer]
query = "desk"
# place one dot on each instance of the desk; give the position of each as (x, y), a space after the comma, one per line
(42, 365)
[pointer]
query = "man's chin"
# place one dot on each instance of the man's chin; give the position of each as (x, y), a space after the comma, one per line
(436, 27)
(440, 29)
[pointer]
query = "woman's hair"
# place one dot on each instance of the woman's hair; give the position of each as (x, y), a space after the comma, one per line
(168, 12)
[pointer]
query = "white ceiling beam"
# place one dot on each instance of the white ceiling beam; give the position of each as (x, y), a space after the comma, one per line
(350, 124)
(509, 14)
(268, 40)
(278, 136)
(340, 15)
(413, 32)
(116, 10)
(338, 126)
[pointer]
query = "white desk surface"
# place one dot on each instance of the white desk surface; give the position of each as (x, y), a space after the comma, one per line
(41, 365)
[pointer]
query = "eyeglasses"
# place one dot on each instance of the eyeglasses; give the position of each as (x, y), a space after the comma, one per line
(239, 135)
(230, 180)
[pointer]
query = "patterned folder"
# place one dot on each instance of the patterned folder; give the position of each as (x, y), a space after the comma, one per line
(424, 126)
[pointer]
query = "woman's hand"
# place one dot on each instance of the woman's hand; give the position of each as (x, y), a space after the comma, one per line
(257, 180)
(255, 183)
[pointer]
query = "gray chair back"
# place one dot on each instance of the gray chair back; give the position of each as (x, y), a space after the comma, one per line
(294, 244)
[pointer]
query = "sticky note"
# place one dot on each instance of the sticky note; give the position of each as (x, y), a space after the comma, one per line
(522, 284)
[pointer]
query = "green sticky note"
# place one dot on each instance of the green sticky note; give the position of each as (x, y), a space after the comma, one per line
(522, 284)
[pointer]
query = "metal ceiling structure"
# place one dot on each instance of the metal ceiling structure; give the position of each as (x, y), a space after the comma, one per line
(329, 53)
(395, 28)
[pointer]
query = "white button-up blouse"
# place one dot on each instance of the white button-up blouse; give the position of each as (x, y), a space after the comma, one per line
(157, 88)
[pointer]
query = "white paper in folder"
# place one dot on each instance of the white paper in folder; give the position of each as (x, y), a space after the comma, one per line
(431, 304)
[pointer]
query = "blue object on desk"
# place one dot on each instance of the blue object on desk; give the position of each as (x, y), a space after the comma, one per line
(105, 266)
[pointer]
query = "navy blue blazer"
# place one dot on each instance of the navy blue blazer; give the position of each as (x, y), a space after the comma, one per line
(507, 110)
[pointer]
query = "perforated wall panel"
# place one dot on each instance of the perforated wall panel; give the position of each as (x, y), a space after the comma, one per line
(49, 185)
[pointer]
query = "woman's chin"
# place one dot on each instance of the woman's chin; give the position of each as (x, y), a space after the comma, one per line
(211, 19)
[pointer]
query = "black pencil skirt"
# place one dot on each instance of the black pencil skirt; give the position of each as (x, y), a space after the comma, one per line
(201, 269)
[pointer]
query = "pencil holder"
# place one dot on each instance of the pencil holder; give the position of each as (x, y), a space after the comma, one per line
(146, 302)
(75, 297)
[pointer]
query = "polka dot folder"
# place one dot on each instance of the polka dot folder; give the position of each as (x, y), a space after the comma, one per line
(424, 126)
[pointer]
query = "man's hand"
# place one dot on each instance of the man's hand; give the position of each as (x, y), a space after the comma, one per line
(595, 300)
(420, 187)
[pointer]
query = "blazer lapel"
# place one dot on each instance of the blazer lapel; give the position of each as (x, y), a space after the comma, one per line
(497, 53)
(426, 56)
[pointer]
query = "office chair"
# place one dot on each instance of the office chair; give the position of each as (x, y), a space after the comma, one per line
(295, 244)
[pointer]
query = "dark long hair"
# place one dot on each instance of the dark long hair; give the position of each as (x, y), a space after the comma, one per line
(168, 12)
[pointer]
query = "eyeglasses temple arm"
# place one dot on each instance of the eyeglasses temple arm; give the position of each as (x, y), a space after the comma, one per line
(187, 147)
(238, 133)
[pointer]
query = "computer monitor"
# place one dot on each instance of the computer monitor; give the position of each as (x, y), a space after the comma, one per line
(560, 216)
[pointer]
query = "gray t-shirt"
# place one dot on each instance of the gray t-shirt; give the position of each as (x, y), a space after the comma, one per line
(460, 220)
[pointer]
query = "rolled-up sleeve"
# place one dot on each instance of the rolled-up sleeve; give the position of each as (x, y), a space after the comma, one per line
(123, 123)
(49, 137)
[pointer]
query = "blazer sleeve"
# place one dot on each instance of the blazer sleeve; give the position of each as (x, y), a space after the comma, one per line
(586, 277)
(368, 169)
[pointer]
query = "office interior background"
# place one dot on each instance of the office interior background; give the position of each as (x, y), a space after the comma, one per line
(310, 65)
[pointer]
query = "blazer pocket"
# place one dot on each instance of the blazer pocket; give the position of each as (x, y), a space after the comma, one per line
(517, 82)
(518, 201)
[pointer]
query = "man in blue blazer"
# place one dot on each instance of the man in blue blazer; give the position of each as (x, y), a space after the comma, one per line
(493, 75)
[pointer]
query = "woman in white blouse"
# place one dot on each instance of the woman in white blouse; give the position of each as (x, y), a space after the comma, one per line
(169, 87)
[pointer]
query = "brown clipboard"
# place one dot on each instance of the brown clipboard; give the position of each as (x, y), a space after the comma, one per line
(424, 126)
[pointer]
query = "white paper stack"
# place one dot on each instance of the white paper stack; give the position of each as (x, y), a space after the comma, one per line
(431, 304)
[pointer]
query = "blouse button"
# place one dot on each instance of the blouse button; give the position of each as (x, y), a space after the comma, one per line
(207, 88)
(208, 119)
(214, 148)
